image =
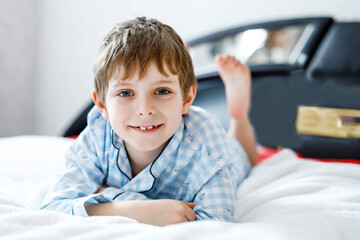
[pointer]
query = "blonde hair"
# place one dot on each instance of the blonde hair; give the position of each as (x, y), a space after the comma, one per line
(134, 45)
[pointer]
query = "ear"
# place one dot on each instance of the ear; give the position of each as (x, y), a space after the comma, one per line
(100, 105)
(189, 99)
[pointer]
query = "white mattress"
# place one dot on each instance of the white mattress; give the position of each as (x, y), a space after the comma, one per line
(283, 198)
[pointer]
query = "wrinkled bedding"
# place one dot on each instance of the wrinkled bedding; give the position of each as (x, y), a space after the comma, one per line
(283, 198)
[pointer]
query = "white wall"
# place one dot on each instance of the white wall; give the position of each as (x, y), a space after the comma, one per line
(17, 67)
(69, 33)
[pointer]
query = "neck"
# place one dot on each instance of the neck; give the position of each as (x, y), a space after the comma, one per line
(141, 159)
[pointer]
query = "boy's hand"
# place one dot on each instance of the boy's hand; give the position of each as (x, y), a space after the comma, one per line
(155, 212)
(164, 212)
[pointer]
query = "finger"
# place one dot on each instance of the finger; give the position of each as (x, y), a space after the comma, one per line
(189, 204)
(190, 215)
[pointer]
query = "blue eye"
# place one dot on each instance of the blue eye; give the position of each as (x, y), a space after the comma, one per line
(126, 94)
(162, 92)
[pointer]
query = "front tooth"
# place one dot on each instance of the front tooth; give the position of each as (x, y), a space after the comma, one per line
(150, 127)
(143, 128)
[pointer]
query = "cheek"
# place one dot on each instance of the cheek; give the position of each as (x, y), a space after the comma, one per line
(171, 105)
(174, 111)
(118, 112)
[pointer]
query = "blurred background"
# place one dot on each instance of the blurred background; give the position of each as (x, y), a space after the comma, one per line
(47, 47)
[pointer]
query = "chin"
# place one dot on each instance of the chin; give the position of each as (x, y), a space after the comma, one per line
(149, 147)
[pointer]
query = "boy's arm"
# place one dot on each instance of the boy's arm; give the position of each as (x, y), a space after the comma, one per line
(156, 212)
(137, 206)
(85, 172)
(78, 192)
(84, 175)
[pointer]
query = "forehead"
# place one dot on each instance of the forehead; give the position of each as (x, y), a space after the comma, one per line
(151, 72)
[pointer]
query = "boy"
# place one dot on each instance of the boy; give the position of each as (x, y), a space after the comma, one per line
(146, 154)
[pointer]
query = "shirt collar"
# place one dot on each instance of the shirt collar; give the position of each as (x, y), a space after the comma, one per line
(122, 161)
(153, 171)
(168, 153)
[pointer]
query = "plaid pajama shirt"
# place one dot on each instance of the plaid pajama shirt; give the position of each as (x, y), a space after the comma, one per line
(200, 164)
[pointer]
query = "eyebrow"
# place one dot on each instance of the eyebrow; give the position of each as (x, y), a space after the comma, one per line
(127, 83)
(165, 82)
(121, 83)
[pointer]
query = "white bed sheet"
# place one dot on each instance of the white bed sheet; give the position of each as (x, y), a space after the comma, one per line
(283, 198)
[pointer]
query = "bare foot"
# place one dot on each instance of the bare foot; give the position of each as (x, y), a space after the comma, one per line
(237, 80)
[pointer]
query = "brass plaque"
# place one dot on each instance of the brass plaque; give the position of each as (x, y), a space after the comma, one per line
(329, 122)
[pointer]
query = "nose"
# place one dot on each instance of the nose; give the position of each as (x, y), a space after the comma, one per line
(145, 106)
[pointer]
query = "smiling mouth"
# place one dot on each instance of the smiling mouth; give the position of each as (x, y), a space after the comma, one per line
(147, 128)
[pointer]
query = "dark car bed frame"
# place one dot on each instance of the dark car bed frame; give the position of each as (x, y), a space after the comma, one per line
(329, 77)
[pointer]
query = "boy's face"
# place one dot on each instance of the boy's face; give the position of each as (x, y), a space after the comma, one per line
(145, 112)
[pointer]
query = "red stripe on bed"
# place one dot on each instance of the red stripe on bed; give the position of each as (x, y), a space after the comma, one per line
(264, 153)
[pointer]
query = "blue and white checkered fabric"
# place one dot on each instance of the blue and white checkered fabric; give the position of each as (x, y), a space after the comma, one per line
(200, 164)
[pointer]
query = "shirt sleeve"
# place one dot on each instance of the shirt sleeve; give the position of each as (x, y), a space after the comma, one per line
(118, 195)
(83, 176)
(216, 199)
(85, 173)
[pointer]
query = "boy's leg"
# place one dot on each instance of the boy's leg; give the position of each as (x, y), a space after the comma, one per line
(237, 80)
